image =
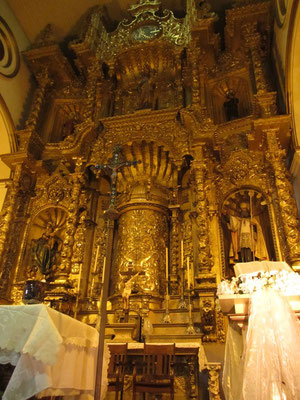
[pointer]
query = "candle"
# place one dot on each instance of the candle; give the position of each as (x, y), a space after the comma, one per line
(79, 278)
(92, 287)
(96, 259)
(167, 264)
(103, 270)
(167, 270)
(192, 273)
(188, 272)
(181, 254)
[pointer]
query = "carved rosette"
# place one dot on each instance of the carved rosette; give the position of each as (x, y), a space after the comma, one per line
(275, 155)
(142, 239)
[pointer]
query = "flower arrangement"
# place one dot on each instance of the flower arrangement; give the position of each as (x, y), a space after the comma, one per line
(287, 283)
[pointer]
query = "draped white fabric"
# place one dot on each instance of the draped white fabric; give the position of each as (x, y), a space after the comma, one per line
(272, 362)
(233, 364)
(54, 354)
(266, 364)
(260, 266)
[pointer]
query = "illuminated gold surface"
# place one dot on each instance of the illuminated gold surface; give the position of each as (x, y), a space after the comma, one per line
(162, 100)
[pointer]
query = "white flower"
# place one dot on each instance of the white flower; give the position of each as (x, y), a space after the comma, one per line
(286, 282)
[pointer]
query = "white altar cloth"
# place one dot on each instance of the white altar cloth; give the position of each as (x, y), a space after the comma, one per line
(54, 354)
(260, 266)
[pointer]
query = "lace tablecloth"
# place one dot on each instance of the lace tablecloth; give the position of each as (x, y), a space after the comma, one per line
(260, 266)
(54, 354)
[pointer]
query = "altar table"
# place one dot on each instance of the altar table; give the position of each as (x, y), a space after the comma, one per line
(181, 349)
(188, 355)
(54, 354)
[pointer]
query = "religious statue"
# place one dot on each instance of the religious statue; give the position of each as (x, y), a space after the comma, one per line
(45, 250)
(126, 289)
(231, 106)
(68, 128)
(146, 89)
(247, 239)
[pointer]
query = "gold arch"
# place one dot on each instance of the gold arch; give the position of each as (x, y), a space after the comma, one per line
(8, 145)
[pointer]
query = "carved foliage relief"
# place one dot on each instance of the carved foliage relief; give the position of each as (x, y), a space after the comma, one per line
(142, 238)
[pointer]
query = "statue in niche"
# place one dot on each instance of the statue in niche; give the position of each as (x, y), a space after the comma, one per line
(246, 229)
(68, 128)
(46, 249)
(231, 106)
(128, 101)
(247, 239)
(146, 90)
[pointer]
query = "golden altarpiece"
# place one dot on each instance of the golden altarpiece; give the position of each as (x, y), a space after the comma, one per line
(197, 112)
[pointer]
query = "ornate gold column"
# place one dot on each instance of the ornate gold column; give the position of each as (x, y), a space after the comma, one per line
(201, 214)
(265, 98)
(44, 82)
(175, 233)
(275, 155)
(142, 239)
(91, 89)
(195, 76)
(77, 179)
(206, 280)
(12, 224)
(5, 227)
(142, 235)
(8, 214)
(252, 40)
(214, 380)
(174, 248)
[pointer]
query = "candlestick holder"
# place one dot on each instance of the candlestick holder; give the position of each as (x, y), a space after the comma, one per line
(167, 317)
(190, 330)
(182, 303)
(76, 305)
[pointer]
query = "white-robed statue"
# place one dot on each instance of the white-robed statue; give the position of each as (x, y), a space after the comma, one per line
(247, 239)
(126, 289)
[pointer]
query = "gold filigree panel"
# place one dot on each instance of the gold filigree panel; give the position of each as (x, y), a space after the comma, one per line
(160, 127)
(243, 168)
(142, 239)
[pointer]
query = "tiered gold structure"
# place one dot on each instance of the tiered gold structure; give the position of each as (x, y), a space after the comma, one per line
(158, 87)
